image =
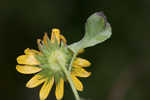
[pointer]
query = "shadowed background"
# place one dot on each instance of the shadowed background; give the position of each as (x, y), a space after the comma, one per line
(120, 66)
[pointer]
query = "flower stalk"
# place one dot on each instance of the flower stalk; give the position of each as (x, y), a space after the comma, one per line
(73, 58)
(67, 73)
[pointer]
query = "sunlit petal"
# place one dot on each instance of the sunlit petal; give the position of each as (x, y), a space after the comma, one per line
(35, 81)
(39, 43)
(27, 69)
(45, 37)
(27, 59)
(81, 51)
(31, 51)
(81, 62)
(77, 83)
(59, 89)
(63, 38)
(55, 34)
(46, 88)
(80, 72)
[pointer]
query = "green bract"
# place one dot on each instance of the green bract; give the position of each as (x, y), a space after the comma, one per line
(97, 30)
(53, 57)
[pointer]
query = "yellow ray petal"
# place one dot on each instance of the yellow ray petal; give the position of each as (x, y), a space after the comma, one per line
(80, 72)
(81, 51)
(45, 37)
(31, 51)
(40, 45)
(63, 38)
(35, 81)
(27, 59)
(46, 88)
(60, 89)
(81, 62)
(55, 34)
(27, 69)
(77, 83)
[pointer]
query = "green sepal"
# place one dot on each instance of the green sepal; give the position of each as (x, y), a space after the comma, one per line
(41, 58)
(55, 43)
(97, 30)
(44, 66)
(46, 73)
(45, 50)
(58, 76)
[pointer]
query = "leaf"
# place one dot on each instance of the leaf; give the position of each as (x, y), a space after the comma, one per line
(97, 30)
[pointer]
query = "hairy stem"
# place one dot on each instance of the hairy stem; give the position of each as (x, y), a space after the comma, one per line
(67, 73)
(70, 66)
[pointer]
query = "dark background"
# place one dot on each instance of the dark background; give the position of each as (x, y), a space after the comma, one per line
(120, 66)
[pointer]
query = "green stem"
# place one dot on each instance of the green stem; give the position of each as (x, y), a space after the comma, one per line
(67, 73)
(70, 66)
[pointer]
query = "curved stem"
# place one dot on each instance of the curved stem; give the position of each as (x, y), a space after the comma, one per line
(67, 73)
(70, 66)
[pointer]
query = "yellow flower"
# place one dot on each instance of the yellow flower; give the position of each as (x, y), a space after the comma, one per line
(47, 63)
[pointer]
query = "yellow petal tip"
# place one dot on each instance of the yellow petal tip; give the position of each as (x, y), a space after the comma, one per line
(82, 62)
(46, 88)
(35, 81)
(59, 89)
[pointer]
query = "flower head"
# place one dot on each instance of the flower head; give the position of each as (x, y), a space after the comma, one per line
(48, 62)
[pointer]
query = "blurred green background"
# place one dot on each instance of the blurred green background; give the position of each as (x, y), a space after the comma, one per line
(120, 66)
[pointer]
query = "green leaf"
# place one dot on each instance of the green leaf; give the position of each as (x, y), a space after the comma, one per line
(97, 30)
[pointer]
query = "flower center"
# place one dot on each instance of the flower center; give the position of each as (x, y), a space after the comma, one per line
(57, 59)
